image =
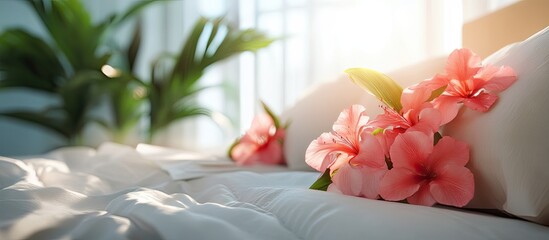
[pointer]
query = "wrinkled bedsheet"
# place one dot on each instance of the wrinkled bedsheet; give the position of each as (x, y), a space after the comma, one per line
(116, 192)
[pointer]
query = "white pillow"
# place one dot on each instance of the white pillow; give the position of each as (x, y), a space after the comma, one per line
(317, 111)
(510, 143)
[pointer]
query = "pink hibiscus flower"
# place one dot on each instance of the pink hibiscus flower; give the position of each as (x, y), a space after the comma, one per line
(362, 174)
(416, 115)
(331, 150)
(425, 174)
(354, 156)
(468, 82)
(262, 143)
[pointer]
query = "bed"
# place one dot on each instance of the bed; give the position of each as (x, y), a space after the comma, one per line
(151, 192)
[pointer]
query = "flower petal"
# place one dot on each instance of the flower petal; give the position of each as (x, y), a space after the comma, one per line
(370, 154)
(348, 180)
(350, 122)
(271, 153)
(317, 154)
(413, 97)
(448, 151)
(431, 118)
(462, 64)
(339, 160)
(497, 79)
(434, 83)
(371, 178)
(243, 151)
(410, 149)
(422, 196)
(448, 107)
(333, 188)
(454, 186)
(387, 138)
(389, 118)
(481, 102)
(398, 184)
(261, 127)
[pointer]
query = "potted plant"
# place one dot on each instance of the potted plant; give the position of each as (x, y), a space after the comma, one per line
(75, 69)
(68, 68)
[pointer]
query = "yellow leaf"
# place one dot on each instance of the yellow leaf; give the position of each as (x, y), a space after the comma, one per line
(379, 85)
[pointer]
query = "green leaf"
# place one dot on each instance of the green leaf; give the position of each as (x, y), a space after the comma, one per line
(130, 12)
(133, 49)
(379, 85)
(185, 63)
(189, 111)
(27, 61)
(172, 96)
(322, 182)
(271, 114)
(85, 78)
(229, 152)
(68, 66)
(70, 26)
(53, 124)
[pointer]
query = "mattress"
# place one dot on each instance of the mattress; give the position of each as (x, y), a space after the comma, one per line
(117, 192)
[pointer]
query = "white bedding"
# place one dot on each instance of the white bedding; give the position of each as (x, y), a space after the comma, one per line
(117, 193)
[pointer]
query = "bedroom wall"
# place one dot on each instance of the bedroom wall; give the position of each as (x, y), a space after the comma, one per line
(484, 36)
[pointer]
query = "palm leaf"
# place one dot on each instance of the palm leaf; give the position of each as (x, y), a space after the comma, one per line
(27, 61)
(133, 48)
(210, 41)
(116, 20)
(189, 111)
(69, 25)
(53, 124)
(185, 64)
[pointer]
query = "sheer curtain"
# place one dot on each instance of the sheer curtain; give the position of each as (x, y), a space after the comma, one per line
(321, 38)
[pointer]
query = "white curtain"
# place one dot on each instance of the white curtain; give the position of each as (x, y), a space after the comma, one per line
(322, 38)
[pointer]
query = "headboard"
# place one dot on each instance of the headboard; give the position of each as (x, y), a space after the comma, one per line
(514, 23)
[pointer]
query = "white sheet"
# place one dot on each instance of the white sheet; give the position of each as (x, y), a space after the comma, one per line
(116, 193)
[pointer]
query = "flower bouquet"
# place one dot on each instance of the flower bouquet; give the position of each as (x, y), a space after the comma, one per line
(400, 155)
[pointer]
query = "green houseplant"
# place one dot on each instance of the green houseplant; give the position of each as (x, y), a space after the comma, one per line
(70, 69)
(171, 94)
(65, 66)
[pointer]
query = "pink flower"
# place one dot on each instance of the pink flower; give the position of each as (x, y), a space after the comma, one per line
(416, 115)
(362, 174)
(354, 156)
(331, 150)
(262, 143)
(425, 175)
(468, 82)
